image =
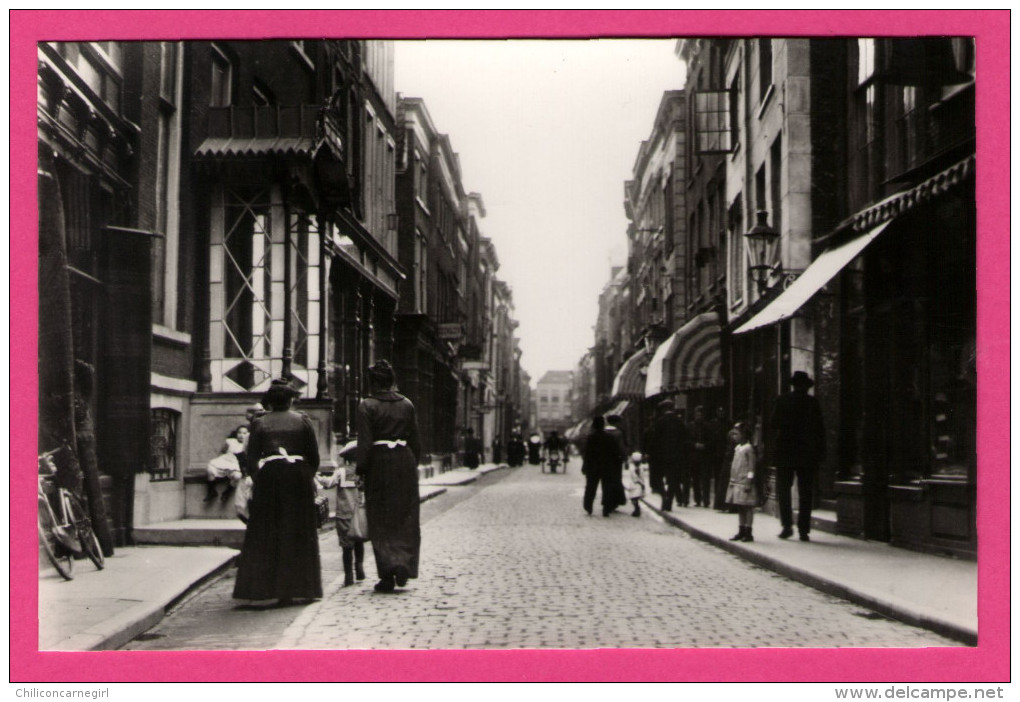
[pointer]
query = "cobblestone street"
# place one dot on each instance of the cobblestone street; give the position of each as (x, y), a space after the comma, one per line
(518, 564)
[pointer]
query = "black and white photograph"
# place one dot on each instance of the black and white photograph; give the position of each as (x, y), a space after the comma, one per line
(497, 344)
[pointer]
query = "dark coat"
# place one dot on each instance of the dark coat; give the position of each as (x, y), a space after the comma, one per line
(670, 444)
(280, 556)
(603, 456)
(472, 451)
(798, 432)
(391, 480)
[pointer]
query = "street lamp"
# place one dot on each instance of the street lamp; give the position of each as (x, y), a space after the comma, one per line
(763, 250)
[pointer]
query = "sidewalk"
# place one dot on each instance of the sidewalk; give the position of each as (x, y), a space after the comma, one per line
(461, 476)
(104, 609)
(934, 592)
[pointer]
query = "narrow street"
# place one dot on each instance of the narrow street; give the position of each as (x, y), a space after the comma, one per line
(512, 561)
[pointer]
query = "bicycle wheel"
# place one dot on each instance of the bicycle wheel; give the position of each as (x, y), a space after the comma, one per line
(48, 544)
(83, 526)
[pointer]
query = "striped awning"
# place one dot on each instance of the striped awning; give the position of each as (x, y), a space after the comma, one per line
(697, 361)
(630, 379)
(657, 380)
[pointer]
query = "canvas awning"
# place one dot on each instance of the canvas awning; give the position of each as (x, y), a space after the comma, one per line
(689, 358)
(630, 379)
(618, 409)
(697, 362)
(821, 271)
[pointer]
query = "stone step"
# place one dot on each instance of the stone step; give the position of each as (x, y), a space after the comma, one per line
(824, 520)
(193, 532)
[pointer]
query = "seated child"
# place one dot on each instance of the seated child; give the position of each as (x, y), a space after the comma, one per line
(228, 467)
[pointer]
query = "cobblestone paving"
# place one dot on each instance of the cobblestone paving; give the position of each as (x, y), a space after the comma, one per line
(520, 565)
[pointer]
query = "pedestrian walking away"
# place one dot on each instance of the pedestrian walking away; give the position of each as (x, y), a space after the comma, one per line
(798, 433)
(351, 522)
(614, 427)
(602, 459)
(280, 557)
(388, 455)
(743, 490)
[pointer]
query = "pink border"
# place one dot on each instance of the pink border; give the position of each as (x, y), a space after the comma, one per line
(989, 661)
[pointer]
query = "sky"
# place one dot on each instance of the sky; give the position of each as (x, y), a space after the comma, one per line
(547, 131)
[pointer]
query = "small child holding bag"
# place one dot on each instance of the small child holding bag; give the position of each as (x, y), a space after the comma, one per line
(351, 523)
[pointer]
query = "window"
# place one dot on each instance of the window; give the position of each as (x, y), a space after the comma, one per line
(304, 240)
(712, 129)
(164, 255)
(163, 445)
(734, 100)
(760, 203)
(738, 267)
(221, 85)
(247, 277)
(775, 182)
(168, 71)
(764, 68)
(866, 136)
(261, 96)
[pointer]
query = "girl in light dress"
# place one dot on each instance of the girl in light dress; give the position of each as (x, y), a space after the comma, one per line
(634, 481)
(229, 466)
(742, 491)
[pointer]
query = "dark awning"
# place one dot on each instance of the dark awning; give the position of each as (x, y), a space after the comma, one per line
(234, 147)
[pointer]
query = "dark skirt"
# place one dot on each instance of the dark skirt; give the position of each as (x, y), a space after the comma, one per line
(280, 556)
(391, 498)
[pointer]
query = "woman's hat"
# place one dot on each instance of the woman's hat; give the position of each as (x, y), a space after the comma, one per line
(801, 378)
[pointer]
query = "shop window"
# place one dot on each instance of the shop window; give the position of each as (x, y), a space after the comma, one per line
(163, 445)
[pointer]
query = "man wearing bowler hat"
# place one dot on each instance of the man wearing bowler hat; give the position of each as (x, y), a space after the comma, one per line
(799, 446)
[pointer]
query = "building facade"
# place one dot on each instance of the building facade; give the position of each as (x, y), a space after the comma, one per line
(842, 151)
(227, 213)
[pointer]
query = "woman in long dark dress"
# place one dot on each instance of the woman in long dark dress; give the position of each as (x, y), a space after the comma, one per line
(280, 556)
(388, 454)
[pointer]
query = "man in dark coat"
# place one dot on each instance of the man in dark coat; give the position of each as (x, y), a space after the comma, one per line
(669, 449)
(798, 436)
(602, 458)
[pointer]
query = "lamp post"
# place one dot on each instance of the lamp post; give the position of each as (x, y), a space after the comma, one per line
(762, 249)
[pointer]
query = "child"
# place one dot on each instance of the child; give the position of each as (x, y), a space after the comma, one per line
(351, 525)
(742, 492)
(228, 466)
(634, 482)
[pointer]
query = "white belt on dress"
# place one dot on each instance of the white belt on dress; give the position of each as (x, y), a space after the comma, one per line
(390, 444)
(282, 456)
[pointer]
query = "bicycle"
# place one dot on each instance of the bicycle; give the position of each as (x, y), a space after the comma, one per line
(65, 532)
